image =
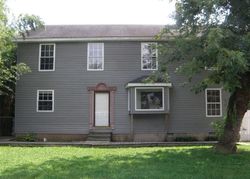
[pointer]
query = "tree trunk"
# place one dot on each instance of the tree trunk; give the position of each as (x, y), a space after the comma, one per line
(237, 107)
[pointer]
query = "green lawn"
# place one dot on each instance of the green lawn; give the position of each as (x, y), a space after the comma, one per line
(156, 162)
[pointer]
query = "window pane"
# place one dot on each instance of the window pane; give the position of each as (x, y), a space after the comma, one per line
(153, 62)
(213, 102)
(40, 96)
(149, 99)
(50, 96)
(47, 57)
(146, 62)
(91, 53)
(217, 112)
(149, 56)
(95, 55)
(45, 101)
(51, 47)
(45, 105)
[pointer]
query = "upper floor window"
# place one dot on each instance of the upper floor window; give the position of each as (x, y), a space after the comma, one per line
(149, 56)
(47, 57)
(95, 56)
(213, 102)
(45, 100)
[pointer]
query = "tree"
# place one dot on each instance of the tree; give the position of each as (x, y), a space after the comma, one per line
(10, 70)
(27, 23)
(214, 35)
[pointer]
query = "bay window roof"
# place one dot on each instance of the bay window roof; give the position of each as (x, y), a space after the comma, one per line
(141, 81)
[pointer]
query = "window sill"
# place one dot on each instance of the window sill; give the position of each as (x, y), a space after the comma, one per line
(149, 69)
(45, 70)
(95, 69)
(213, 116)
(148, 112)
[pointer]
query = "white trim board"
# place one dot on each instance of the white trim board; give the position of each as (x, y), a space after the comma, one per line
(148, 85)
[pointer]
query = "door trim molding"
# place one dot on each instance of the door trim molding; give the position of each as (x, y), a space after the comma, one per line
(101, 87)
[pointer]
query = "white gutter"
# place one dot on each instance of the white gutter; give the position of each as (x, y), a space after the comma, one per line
(148, 84)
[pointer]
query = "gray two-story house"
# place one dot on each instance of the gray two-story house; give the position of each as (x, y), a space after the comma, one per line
(89, 79)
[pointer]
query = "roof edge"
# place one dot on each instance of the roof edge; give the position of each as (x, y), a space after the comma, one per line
(87, 39)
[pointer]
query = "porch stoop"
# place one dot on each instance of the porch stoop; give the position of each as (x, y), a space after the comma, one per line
(100, 134)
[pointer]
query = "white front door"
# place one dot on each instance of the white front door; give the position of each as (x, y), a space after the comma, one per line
(101, 109)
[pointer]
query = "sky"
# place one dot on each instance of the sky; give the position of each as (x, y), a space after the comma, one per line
(96, 11)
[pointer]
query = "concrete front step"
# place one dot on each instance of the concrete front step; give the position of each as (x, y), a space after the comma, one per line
(98, 139)
(100, 130)
(99, 136)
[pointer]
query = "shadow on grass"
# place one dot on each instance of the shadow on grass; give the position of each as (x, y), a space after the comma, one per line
(162, 163)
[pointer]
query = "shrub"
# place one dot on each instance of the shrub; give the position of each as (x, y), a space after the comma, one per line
(27, 138)
(185, 139)
(218, 127)
(211, 138)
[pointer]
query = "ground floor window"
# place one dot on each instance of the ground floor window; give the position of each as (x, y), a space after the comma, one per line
(213, 102)
(149, 98)
(45, 100)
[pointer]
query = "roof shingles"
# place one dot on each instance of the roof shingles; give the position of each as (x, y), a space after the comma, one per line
(95, 31)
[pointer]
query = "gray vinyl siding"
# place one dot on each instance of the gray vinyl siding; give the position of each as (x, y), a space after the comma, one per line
(122, 63)
(149, 123)
(187, 109)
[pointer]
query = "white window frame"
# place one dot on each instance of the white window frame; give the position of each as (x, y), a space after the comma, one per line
(163, 99)
(219, 89)
(88, 69)
(54, 57)
(37, 101)
(142, 44)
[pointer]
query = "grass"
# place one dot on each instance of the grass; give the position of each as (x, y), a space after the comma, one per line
(156, 162)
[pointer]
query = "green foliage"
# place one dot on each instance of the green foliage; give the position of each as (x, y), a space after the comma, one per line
(211, 138)
(218, 127)
(10, 70)
(211, 44)
(27, 23)
(31, 137)
(157, 76)
(208, 36)
(10, 74)
(185, 139)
